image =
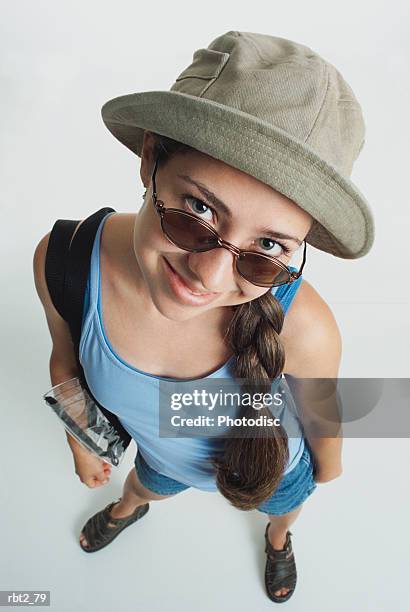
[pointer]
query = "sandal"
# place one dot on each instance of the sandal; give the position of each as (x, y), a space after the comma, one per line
(280, 571)
(97, 532)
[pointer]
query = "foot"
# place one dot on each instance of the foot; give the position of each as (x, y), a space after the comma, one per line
(119, 510)
(278, 541)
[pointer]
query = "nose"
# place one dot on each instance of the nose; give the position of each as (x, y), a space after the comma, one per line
(215, 269)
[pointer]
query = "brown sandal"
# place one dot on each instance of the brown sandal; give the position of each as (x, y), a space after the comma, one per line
(97, 532)
(280, 571)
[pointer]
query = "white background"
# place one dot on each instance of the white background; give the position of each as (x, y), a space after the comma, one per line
(60, 61)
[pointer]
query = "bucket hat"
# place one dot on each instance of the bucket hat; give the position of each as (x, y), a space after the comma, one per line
(274, 109)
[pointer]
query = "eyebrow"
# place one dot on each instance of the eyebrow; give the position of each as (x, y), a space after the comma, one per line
(215, 201)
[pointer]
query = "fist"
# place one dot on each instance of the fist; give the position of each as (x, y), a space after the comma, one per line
(91, 470)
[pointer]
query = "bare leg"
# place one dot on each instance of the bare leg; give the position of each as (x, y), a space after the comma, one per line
(279, 525)
(134, 494)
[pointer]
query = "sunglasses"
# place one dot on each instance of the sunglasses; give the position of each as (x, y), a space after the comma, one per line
(186, 231)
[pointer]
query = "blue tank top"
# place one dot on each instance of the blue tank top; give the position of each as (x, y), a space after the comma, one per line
(133, 395)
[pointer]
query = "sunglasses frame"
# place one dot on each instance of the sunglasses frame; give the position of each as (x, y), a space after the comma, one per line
(162, 210)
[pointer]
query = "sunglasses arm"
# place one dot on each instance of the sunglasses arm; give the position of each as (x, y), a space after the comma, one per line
(296, 275)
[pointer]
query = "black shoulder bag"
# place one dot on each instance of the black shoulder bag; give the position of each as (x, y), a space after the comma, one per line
(67, 268)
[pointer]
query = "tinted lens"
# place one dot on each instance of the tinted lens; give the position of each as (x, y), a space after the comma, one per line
(261, 271)
(188, 233)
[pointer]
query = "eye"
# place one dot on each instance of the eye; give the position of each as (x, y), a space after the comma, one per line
(274, 252)
(198, 207)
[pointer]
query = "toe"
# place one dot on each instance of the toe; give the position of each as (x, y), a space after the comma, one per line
(83, 541)
(282, 592)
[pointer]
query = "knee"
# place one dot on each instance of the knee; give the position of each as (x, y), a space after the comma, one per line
(141, 491)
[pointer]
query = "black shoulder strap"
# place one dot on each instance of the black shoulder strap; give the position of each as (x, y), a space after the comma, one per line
(78, 268)
(67, 268)
(68, 262)
(56, 261)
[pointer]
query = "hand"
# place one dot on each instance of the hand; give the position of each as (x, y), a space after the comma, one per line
(91, 470)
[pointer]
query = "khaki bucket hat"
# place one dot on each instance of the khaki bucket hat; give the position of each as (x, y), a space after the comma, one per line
(274, 109)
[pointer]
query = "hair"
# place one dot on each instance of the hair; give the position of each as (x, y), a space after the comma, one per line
(250, 468)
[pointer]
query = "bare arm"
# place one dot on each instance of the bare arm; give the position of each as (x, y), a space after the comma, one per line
(92, 471)
(319, 349)
(63, 365)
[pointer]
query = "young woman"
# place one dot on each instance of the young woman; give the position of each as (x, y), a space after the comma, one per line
(253, 166)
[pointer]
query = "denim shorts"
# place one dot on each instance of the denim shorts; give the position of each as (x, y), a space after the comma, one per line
(294, 488)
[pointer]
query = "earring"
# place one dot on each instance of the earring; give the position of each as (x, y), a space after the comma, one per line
(144, 194)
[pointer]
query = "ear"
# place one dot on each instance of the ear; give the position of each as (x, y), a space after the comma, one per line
(147, 158)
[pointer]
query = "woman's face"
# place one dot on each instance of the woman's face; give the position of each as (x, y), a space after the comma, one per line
(252, 208)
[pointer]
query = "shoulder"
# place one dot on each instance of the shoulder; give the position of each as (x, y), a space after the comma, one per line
(117, 241)
(39, 260)
(311, 336)
(115, 226)
(62, 356)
